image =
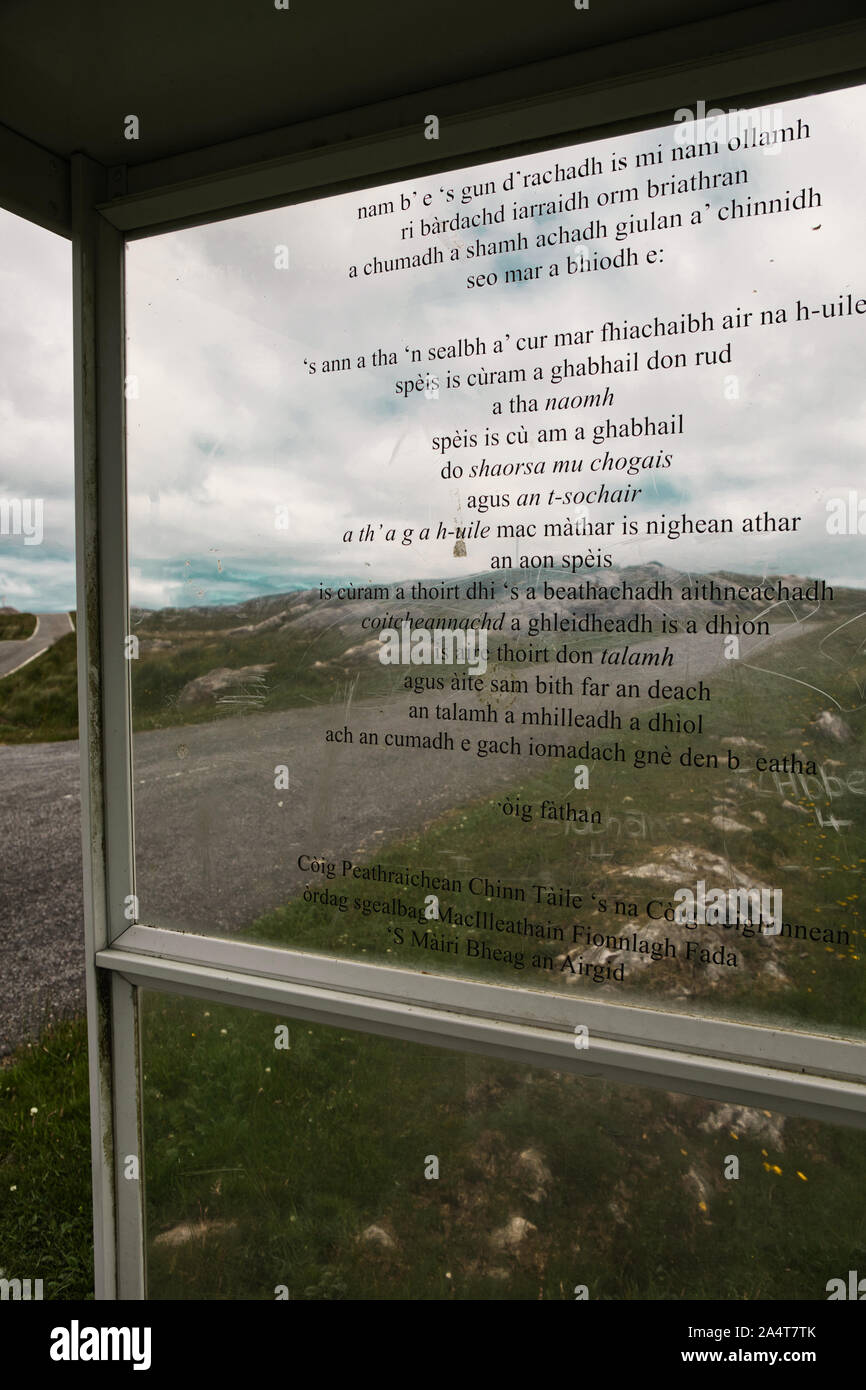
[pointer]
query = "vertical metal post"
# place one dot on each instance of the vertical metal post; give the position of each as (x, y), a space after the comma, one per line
(104, 722)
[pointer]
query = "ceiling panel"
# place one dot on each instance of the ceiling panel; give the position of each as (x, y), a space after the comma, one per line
(199, 72)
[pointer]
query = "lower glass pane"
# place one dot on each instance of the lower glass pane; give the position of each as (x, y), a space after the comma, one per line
(290, 1160)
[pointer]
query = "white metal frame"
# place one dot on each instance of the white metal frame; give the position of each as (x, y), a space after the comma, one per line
(799, 1072)
(807, 1074)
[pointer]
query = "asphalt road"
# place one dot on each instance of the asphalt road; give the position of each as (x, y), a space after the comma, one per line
(217, 844)
(50, 627)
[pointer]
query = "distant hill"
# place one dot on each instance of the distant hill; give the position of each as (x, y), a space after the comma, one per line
(277, 651)
(304, 608)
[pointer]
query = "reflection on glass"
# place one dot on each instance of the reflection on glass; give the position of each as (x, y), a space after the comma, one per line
(287, 1160)
(648, 603)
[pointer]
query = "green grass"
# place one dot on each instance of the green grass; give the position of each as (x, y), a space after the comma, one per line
(39, 703)
(16, 626)
(294, 679)
(45, 1201)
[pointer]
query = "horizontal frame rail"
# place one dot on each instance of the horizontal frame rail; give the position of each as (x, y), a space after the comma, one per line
(799, 1073)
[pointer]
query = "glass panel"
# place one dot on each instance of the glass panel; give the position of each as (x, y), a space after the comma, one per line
(346, 1166)
(494, 547)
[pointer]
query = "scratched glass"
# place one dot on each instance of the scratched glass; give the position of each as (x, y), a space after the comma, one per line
(495, 567)
(351, 1167)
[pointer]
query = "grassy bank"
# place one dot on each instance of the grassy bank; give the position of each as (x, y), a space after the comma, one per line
(14, 627)
(45, 1201)
(39, 703)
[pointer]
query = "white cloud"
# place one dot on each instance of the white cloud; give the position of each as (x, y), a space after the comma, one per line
(229, 422)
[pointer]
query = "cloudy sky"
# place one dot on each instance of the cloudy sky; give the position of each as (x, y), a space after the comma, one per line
(36, 440)
(227, 424)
